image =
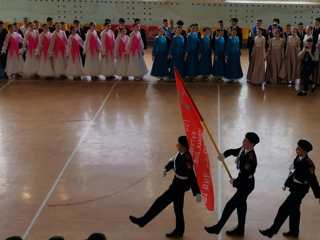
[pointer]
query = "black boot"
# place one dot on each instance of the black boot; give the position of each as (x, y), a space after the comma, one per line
(237, 232)
(213, 230)
(268, 233)
(290, 234)
(136, 221)
(174, 235)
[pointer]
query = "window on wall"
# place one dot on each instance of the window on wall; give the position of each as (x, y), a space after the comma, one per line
(303, 2)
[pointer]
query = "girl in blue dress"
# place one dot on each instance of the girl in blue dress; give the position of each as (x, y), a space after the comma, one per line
(233, 53)
(205, 58)
(160, 51)
(177, 53)
(192, 52)
(219, 60)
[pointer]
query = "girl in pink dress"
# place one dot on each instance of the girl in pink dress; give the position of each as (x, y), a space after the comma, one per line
(108, 43)
(31, 41)
(58, 51)
(74, 62)
(121, 54)
(11, 46)
(137, 66)
(92, 49)
(45, 65)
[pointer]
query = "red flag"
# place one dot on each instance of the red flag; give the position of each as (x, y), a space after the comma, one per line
(192, 123)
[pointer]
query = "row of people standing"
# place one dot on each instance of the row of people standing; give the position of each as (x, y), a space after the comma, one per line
(55, 55)
(291, 53)
(191, 53)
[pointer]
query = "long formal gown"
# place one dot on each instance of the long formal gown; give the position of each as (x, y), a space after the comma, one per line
(92, 47)
(58, 51)
(31, 41)
(108, 62)
(291, 58)
(219, 60)
(121, 55)
(160, 57)
(257, 72)
(45, 65)
(274, 60)
(74, 63)
(14, 57)
(192, 50)
(136, 66)
(177, 51)
(233, 53)
(205, 63)
(316, 73)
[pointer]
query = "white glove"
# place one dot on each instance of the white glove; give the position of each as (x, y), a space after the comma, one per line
(198, 198)
(221, 157)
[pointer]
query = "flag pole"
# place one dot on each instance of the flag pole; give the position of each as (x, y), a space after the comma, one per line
(205, 125)
(216, 147)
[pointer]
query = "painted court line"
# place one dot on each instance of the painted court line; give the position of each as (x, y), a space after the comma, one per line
(70, 158)
(219, 177)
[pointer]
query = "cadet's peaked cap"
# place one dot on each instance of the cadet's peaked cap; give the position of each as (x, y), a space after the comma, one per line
(56, 238)
(14, 238)
(305, 145)
(97, 236)
(253, 137)
(183, 141)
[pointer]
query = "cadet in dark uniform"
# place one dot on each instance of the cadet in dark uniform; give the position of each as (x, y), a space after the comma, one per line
(247, 164)
(184, 179)
(300, 179)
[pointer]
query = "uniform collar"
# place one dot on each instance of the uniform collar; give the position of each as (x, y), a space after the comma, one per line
(182, 153)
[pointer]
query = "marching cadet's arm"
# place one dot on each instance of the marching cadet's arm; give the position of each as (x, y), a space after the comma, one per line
(314, 181)
(170, 164)
(194, 183)
(232, 152)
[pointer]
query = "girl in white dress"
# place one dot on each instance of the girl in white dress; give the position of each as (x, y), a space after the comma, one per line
(45, 65)
(58, 51)
(31, 41)
(137, 66)
(107, 53)
(74, 63)
(121, 54)
(92, 51)
(12, 44)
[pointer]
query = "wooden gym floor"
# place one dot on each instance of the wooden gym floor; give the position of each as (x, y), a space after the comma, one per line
(78, 157)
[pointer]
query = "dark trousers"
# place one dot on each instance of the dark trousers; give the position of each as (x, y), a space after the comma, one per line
(2, 66)
(171, 195)
(305, 80)
(290, 208)
(239, 202)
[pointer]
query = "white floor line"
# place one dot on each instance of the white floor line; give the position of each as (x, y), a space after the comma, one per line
(219, 177)
(70, 158)
(6, 85)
